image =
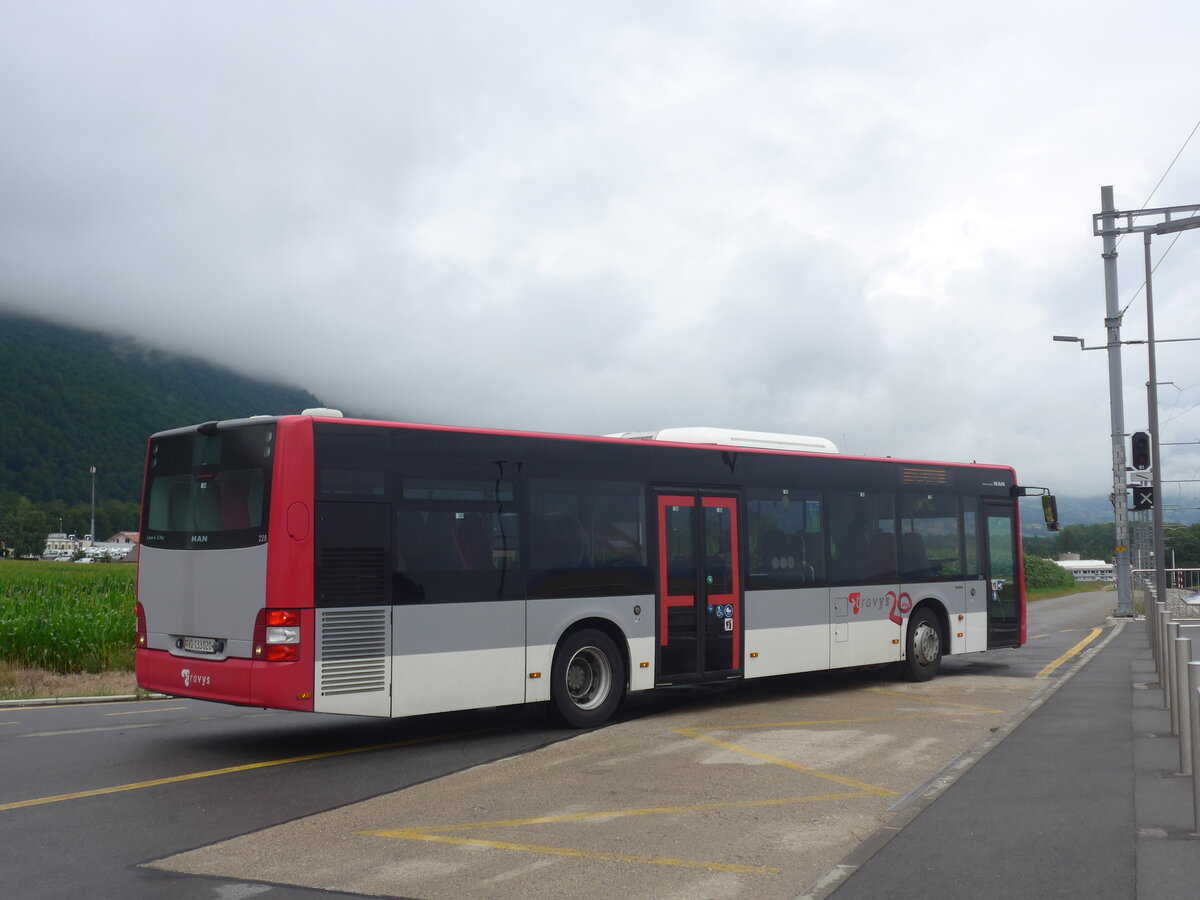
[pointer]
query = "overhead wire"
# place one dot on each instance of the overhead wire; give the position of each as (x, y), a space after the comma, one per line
(1121, 237)
(1176, 413)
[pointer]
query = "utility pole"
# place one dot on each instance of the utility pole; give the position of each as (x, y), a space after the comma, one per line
(1105, 224)
(1112, 322)
(1160, 543)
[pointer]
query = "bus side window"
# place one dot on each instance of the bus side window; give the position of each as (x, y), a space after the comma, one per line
(587, 538)
(930, 542)
(864, 529)
(849, 553)
(473, 544)
(411, 547)
(559, 542)
(457, 540)
(786, 538)
(971, 537)
(914, 555)
(881, 557)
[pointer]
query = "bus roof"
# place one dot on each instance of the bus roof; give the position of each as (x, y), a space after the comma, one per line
(729, 437)
(700, 437)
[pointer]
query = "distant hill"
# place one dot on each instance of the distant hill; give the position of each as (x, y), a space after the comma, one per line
(1091, 511)
(71, 399)
(1094, 510)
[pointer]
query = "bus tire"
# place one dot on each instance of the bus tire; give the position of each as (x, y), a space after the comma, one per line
(923, 657)
(587, 680)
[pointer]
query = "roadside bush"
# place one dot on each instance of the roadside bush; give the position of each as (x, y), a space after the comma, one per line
(1045, 573)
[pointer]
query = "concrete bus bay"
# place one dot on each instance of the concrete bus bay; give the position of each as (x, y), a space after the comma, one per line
(756, 791)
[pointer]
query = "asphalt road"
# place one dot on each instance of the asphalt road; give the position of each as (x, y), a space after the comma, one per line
(1054, 627)
(92, 792)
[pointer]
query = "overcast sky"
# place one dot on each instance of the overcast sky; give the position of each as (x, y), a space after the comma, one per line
(860, 220)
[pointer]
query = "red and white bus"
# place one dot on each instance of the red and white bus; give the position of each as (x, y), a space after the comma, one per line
(319, 563)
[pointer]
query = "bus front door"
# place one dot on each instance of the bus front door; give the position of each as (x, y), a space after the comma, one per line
(1004, 599)
(699, 588)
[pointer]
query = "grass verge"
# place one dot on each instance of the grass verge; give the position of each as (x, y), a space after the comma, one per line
(21, 683)
(1084, 587)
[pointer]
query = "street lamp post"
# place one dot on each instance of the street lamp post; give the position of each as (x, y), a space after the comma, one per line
(1122, 568)
(93, 471)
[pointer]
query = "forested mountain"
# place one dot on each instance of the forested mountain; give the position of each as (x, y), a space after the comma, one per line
(71, 399)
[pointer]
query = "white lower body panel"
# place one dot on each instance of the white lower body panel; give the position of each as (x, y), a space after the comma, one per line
(465, 679)
(782, 651)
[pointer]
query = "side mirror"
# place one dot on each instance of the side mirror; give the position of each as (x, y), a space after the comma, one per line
(1050, 512)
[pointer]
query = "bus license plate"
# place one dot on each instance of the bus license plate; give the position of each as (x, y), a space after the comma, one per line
(200, 645)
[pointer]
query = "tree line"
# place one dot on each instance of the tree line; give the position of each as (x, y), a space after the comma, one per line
(1089, 541)
(1100, 541)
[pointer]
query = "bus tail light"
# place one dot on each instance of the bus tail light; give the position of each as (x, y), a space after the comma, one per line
(277, 635)
(141, 625)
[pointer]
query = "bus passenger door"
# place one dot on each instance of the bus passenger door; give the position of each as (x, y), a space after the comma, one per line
(699, 588)
(1004, 599)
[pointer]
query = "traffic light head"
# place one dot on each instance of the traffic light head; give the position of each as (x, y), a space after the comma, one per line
(1140, 456)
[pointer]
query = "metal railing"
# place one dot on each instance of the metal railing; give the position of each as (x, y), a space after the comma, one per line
(1182, 585)
(1173, 625)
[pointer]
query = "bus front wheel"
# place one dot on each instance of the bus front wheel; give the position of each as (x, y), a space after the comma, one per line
(587, 679)
(924, 646)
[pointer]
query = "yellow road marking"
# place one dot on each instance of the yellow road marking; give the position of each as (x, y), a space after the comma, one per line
(445, 834)
(581, 854)
(763, 757)
(814, 722)
(142, 712)
(935, 701)
(609, 814)
(229, 770)
(1070, 654)
(441, 833)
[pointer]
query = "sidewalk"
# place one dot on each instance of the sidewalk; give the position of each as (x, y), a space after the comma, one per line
(1082, 799)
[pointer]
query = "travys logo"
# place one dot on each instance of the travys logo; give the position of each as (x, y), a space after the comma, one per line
(898, 605)
(198, 680)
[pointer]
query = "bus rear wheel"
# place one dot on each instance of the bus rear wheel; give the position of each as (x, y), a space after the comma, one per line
(587, 679)
(924, 646)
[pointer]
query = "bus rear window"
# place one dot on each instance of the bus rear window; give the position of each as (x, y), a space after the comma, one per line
(209, 491)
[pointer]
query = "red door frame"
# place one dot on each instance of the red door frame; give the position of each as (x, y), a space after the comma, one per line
(701, 599)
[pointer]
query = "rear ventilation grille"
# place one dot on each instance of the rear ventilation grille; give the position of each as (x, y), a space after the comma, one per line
(353, 651)
(353, 576)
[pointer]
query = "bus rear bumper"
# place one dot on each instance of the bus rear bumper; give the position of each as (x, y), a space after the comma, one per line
(242, 682)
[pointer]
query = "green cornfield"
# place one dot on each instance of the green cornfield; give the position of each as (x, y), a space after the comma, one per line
(67, 618)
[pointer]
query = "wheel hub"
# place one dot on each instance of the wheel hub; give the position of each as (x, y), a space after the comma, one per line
(926, 644)
(588, 677)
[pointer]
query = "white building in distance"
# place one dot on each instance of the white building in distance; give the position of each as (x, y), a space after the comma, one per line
(1087, 569)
